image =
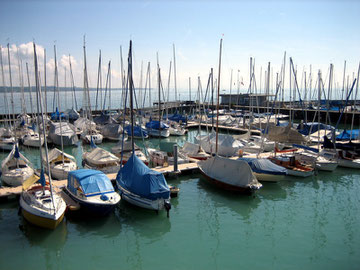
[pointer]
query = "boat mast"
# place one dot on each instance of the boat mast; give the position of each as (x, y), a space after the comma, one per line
(7, 111)
(30, 93)
(39, 104)
(11, 90)
(130, 81)
(46, 110)
(56, 85)
(175, 73)
(217, 105)
(356, 92)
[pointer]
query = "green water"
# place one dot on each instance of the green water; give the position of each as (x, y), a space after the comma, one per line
(308, 223)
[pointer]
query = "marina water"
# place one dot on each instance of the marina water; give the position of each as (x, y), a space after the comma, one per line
(310, 223)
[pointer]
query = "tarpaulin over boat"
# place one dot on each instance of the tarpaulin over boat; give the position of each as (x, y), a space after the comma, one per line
(307, 128)
(92, 182)
(177, 117)
(71, 114)
(285, 134)
(350, 146)
(264, 165)
(99, 156)
(104, 119)
(139, 179)
(346, 135)
(56, 154)
(155, 125)
(232, 172)
(138, 131)
(56, 115)
(112, 131)
(64, 130)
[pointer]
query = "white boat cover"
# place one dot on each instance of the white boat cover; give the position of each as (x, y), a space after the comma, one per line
(227, 145)
(190, 149)
(229, 171)
(55, 153)
(11, 156)
(126, 145)
(67, 132)
(84, 124)
(285, 134)
(112, 131)
(99, 156)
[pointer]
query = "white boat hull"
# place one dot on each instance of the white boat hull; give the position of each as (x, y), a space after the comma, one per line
(264, 177)
(134, 199)
(155, 132)
(104, 169)
(354, 164)
(300, 173)
(97, 138)
(17, 177)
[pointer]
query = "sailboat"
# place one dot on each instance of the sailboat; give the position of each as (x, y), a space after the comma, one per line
(60, 162)
(138, 184)
(15, 168)
(225, 173)
(100, 159)
(40, 205)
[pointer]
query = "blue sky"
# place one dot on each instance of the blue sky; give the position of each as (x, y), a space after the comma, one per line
(311, 32)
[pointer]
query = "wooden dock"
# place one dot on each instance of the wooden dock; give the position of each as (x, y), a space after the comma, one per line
(14, 192)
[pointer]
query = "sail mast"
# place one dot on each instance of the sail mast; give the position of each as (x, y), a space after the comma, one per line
(217, 105)
(130, 81)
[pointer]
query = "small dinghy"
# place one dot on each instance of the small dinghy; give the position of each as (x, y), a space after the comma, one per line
(15, 168)
(143, 187)
(229, 174)
(293, 166)
(93, 190)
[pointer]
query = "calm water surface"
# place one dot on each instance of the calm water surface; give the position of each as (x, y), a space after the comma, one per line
(308, 223)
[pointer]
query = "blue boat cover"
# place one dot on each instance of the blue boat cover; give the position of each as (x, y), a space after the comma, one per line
(177, 117)
(56, 115)
(306, 147)
(139, 179)
(313, 126)
(345, 135)
(92, 182)
(263, 165)
(155, 125)
(138, 131)
(104, 119)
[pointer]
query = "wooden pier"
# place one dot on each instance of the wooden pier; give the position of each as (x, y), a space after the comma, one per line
(14, 192)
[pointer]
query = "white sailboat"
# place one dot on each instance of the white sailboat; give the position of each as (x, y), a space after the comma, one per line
(15, 168)
(40, 205)
(60, 162)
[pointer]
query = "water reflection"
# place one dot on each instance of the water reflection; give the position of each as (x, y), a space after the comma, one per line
(237, 203)
(86, 225)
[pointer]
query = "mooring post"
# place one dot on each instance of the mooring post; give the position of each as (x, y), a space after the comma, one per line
(175, 158)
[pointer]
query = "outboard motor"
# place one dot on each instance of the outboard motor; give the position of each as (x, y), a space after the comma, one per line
(167, 206)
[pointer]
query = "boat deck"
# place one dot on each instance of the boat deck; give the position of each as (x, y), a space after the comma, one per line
(221, 127)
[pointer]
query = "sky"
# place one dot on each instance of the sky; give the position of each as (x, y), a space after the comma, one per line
(314, 33)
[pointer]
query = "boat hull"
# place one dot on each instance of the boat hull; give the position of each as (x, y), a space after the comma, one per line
(136, 200)
(354, 164)
(243, 190)
(264, 177)
(155, 132)
(41, 221)
(97, 209)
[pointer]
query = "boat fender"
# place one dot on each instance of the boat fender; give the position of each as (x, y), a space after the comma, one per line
(104, 197)
(167, 206)
(83, 163)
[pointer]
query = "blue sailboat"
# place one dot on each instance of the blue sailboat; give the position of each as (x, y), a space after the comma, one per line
(143, 187)
(137, 183)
